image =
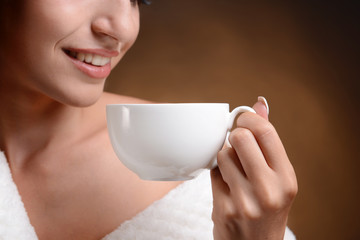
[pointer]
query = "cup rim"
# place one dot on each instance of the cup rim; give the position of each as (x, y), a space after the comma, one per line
(163, 104)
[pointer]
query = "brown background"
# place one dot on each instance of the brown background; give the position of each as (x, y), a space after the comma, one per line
(301, 56)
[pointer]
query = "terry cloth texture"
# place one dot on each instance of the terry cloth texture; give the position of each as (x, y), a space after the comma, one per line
(182, 214)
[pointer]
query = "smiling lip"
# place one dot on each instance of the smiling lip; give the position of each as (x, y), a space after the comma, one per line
(99, 68)
(101, 52)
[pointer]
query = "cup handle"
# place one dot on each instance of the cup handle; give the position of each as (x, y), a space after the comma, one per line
(232, 117)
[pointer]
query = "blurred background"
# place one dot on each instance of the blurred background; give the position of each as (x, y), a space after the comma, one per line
(303, 56)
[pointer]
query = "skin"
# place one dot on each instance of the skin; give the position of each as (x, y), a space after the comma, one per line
(255, 183)
(53, 132)
(53, 126)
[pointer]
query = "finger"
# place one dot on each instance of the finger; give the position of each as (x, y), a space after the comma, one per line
(231, 170)
(219, 186)
(261, 107)
(220, 190)
(249, 153)
(267, 138)
(240, 196)
(222, 201)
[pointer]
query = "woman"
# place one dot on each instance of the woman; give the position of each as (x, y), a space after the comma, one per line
(56, 56)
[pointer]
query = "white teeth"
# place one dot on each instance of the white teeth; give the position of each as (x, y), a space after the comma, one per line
(80, 57)
(96, 60)
(105, 61)
(90, 58)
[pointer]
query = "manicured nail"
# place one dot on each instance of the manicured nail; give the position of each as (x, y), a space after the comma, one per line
(263, 100)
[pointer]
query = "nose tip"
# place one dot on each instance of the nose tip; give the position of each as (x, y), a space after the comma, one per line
(116, 20)
(103, 28)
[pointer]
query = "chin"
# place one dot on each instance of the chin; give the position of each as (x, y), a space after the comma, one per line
(80, 98)
(72, 92)
(84, 101)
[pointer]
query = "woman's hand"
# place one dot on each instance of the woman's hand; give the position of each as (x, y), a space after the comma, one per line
(254, 184)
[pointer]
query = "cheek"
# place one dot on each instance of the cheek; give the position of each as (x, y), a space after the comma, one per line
(47, 23)
(44, 24)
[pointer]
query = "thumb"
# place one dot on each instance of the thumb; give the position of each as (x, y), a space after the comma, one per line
(261, 107)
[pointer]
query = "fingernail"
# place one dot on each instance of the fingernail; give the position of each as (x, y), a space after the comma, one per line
(263, 100)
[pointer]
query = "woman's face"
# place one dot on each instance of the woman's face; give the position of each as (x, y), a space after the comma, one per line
(65, 49)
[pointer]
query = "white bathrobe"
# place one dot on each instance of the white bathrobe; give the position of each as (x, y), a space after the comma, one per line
(182, 214)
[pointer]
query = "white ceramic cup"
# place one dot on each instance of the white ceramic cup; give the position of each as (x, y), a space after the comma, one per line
(169, 142)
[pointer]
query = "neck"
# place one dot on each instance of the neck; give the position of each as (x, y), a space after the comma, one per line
(32, 122)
